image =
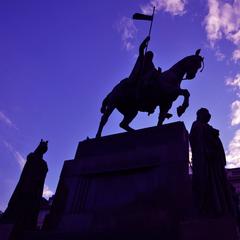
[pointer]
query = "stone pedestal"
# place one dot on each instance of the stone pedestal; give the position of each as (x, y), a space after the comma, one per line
(208, 229)
(6, 231)
(126, 183)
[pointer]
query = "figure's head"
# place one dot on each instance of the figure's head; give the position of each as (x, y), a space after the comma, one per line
(149, 55)
(42, 147)
(194, 63)
(203, 115)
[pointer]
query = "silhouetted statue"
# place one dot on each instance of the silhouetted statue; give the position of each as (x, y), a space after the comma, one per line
(212, 192)
(23, 207)
(144, 68)
(146, 88)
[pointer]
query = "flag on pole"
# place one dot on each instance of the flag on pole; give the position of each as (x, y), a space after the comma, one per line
(140, 16)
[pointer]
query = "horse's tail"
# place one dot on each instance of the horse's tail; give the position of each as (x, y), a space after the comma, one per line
(104, 104)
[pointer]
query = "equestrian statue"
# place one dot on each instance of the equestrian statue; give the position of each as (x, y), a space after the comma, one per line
(147, 88)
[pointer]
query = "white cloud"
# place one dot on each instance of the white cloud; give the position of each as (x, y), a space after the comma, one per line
(47, 192)
(236, 55)
(213, 21)
(223, 22)
(235, 115)
(128, 31)
(6, 120)
(234, 82)
(127, 28)
(174, 7)
(233, 152)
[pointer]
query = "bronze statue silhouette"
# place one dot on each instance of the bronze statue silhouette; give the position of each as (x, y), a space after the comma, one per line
(24, 205)
(144, 68)
(145, 91)
(212, 191)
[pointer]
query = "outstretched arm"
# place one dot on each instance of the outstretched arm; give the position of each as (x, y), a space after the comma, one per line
(143, 46)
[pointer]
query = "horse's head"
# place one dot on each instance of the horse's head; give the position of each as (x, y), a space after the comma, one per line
(192, 64)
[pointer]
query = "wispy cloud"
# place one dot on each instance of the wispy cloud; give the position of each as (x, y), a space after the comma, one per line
(235, 115)
(6, 120)
(20, 159)
(234, 82)
(17, 155)
(233, 152)
(213, 21)
(174, 7)
(223, 22)
(219, 55)
(236, 55)
(128, 30)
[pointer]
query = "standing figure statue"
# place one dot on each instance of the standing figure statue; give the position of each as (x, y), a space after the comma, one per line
(146, 88)
(212, 192)
(24, 205)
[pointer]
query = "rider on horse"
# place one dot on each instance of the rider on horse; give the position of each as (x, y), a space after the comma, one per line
(131, 95)
(144, 73)
(144, 68)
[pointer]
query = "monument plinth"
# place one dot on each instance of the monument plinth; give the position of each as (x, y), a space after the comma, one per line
(134, 182)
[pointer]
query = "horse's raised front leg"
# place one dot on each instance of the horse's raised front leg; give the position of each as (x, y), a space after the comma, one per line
(126, 120)
(181, 109)
(163, 113)
(104, 120)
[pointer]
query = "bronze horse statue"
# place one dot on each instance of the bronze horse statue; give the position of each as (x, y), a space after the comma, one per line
(162, 91)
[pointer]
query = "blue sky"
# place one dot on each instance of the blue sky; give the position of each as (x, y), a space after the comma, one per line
(59, 59)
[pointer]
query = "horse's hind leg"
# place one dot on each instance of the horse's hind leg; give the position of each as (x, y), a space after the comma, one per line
(104, 120)
(128, 117)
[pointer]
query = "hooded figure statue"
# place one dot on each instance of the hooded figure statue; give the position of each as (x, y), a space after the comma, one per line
(212, 191)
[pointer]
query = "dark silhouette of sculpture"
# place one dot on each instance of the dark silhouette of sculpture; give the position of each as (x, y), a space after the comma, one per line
(144, 68)
(212, 192)
(146, 88)
(23, 207)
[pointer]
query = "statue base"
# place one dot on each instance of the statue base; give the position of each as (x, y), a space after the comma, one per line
(223, 228)
(6, 231)
(128, 185)
(125, 183)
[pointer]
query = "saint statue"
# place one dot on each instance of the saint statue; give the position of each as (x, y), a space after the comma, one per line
(24, 205)
(212, 191)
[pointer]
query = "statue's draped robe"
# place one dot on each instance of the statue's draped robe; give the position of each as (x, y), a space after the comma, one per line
(24, 205)
(210, 185)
